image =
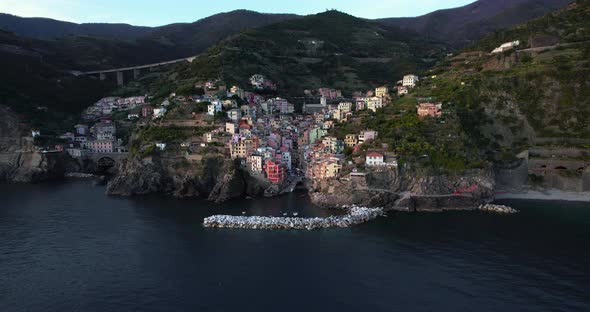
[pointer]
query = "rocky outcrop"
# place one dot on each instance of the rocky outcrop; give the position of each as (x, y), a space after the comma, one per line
(215, 178)
(408, 190)
(20, 162)
(31, 167)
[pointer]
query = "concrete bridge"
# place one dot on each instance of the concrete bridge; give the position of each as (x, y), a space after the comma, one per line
(136, 70)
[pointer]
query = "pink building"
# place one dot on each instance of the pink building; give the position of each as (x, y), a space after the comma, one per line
(330, 93)
(275, 172)
(429, 110)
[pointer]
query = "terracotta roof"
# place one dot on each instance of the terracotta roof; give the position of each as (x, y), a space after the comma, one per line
(374, 154)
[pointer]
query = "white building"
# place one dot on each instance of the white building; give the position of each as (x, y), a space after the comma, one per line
(230, 128)
(255, 163)
(208, 137)
(257, 81)
(506, 47)
(374, 159)
(161, 146)
(214, 108)
(234, 115)
(160, 112)
(374, 103)
(410, 81)
(345, 107)
(287, 160)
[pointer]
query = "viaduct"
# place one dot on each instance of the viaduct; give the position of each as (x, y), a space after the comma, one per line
(119, 72)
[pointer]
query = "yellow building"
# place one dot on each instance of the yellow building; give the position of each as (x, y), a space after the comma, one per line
(382, 92)
(351, 140)
(332, 169)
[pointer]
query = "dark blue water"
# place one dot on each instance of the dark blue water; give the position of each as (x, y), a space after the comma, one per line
(67, 247)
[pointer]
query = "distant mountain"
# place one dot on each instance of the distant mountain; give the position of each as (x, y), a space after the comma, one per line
(97, 46)
(202, 34)
(327, 49)
(465, 25)
(49, 29)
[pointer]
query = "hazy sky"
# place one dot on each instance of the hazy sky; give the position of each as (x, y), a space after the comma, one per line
(155, 13)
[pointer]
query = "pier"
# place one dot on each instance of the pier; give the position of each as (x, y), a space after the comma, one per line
(356, 215)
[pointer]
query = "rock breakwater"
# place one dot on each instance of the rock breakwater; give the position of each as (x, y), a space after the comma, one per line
(356, 215)
(498, 209)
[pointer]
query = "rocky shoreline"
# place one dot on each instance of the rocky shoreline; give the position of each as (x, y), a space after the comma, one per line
(356, 215)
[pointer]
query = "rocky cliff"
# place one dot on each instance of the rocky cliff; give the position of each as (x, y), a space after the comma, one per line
(408, 190)
(19, 160)
(215, 178)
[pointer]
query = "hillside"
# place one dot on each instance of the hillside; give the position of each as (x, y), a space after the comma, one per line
(38, 90)
(494, 105)
(511, 99)
(101, 46)
(465, 25)
(328, 49)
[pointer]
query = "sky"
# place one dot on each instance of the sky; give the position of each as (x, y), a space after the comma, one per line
(157, 13)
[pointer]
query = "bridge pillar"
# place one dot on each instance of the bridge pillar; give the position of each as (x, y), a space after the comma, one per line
(102, 76)
(120, 78)
(135, 74)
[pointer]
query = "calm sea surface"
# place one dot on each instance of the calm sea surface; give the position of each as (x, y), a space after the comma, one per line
(68, 247)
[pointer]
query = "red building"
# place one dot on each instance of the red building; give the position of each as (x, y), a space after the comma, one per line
(275, 172)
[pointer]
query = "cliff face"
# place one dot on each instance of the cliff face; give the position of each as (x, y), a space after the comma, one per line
(214, 178)
(19, 161)
(408, 190)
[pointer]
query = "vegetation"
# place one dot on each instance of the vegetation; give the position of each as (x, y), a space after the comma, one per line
(329, 49)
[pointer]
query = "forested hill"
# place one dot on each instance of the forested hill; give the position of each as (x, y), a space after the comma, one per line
(327, 49)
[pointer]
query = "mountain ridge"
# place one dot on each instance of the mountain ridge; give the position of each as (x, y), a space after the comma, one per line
(465, 25)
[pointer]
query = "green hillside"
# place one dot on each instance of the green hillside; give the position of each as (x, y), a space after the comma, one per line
(45, 96)
(494, 106)
(328, 49)
(508, 100)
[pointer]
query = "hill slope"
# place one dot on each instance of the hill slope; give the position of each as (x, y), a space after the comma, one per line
(327, 49)
(513, 98)
(465, 25)
(494, 106)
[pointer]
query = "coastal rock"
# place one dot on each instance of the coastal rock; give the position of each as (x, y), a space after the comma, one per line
(215, 178)
(20, 162)
(408, 190)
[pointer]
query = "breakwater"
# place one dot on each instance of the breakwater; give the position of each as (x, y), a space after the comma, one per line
(355, 215)
(498, 209)
(78, 175)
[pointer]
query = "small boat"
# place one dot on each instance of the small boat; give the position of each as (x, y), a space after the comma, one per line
(295, 214)
(243, 212)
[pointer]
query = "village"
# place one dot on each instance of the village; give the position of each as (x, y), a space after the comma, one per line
(263, 134)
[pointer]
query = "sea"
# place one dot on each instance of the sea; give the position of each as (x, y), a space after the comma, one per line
(66, 246)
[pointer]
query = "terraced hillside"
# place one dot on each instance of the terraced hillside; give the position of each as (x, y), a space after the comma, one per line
(327, 49)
